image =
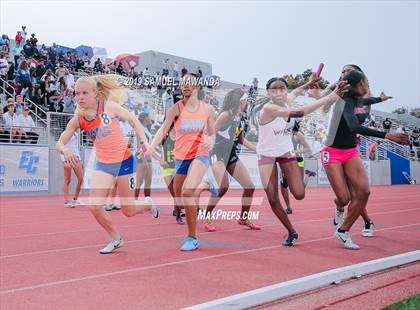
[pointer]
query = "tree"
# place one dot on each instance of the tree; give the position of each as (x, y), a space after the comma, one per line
(297, 80)
(400, 110)
(415, 112)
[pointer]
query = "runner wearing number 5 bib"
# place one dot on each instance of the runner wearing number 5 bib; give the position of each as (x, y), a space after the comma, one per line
(99, 100)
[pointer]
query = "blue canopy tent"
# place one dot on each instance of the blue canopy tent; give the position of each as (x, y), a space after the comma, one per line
(60, 49)
(84, 49)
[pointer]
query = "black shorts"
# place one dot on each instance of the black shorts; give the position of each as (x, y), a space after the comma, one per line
(226, 158)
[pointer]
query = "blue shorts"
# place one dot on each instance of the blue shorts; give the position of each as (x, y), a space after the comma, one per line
(181, 166)
(125, 167)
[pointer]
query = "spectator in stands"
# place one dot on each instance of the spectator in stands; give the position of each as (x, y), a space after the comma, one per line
(160, 116)
(69, 101)
(69, 79)
(50, 66)
(61, 70)
(184, 71)
(4, 44)
(387, 124)
(40, 70)
(120, 69)
(48, 74)
(16, 52)
(176, 70)
(11, 121)
(56, 102)
(23, 77)
(27, 49)
(38, 98)
(146, 72)
(167, 99)
(11, 72)
(19, 105)
(4, 68)
(33, 40)
(4, 134)
(18, 38)
(146, 109)
(27, 126)
(98, 65)
(23, 34)
(199, 72)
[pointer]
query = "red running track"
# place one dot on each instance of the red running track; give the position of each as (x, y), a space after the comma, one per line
(49, 254)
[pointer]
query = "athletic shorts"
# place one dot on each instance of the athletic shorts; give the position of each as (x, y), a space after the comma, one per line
(181, 166)
(167, 172)
(125, 167)
(330, 155)
(266, 160)
(227, 159)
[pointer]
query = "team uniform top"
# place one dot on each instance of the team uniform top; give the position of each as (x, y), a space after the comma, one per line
(275, 137)
(106, 135)
(345, 123)
(190, 129)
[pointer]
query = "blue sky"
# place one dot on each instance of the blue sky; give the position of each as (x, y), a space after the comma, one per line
(243, 39)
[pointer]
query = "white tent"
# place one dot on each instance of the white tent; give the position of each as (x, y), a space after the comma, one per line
(98, 52)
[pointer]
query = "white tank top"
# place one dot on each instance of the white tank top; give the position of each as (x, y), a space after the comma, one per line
(73, 145)
(275, 138)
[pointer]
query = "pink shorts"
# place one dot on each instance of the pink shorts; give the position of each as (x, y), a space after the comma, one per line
(330, 155)
(266, 160)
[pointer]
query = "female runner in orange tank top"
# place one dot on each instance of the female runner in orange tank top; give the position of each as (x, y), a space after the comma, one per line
(98, 107)
(194, 126)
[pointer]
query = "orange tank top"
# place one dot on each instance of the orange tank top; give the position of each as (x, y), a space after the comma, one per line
(190, 128)
(106, 135)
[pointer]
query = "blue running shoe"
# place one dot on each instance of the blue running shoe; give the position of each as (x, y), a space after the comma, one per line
(190, 244)
(208, 178)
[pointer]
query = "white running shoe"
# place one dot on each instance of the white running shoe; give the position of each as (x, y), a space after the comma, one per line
(77, 202)
(116, 207)
(368, 229)
(338, 218)
(345, 240)
(154, 211)
(68, 204)
(112, 246)
(108, 207)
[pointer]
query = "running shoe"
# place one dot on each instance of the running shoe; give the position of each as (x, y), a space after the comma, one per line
(310, 173)
(209, 179)
(249, 224)
(77, 202)
(345, 240)
(368, 229)
(190, 244)
(182, 213)
(288, 210)
(116, 206)
(108, 207)
(208, 226)
(291, 239)
(179, 220)
(154, 210)
(112, 246)
(338, 218)
(68, 204)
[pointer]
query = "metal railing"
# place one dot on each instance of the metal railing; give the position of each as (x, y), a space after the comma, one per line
(17, 134)
(56, 124)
